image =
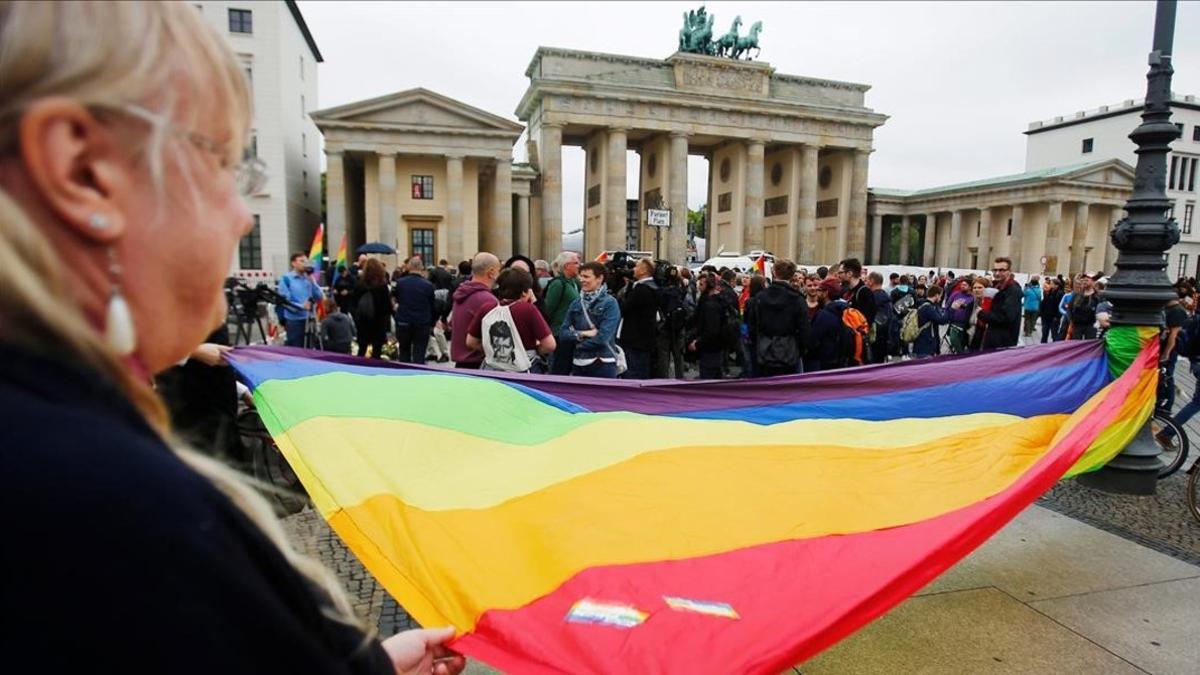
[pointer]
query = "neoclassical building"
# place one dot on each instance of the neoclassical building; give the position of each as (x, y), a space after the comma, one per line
(425, 174)
(1053, 220)
(787, 155)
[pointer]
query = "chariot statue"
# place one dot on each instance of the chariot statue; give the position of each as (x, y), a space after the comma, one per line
(696, 36)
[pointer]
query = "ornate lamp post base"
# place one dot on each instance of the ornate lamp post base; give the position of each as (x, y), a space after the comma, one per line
(1140, 288)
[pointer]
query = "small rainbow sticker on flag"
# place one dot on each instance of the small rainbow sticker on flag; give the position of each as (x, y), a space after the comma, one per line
(722, 609)
(605, 613)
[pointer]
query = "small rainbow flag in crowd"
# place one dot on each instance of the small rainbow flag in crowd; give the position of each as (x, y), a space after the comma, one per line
(340, 261)
(603, 257)
(760, 265)
(736, 528)
(317, 250)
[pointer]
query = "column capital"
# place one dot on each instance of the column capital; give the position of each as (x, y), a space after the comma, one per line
(676, 133)
(762, 142)
(334, 151)
(551, 125)
(618, 129)
(454, 157)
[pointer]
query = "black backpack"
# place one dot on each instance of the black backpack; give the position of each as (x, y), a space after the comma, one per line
(1187, 342)
(1083, 311)
(775, 351)
(731, 323)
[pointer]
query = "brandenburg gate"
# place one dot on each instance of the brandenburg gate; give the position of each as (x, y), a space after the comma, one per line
(787, 154)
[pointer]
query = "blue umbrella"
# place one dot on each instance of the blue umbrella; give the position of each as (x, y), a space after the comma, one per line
(376, 247)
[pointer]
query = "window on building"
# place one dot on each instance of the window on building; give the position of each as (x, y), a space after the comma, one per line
(240, 21)
(1188, 211)
(304, 144)
(1196, 133)
(422, 243)
(301, 67)
(249, 75)
(303, 106)
(305, 173)
(1010, 227)
(422, 187)
(1181, 270)
(1171, 175)
(1192, 175)
(978, 227)
(250, 248)
(1087, 145)
(1179, 126)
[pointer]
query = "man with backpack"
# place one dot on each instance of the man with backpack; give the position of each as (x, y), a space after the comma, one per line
(1081, 310)
(920, 326)
(838, 337)
(1171, 346)
(778, 324)
(881, 324)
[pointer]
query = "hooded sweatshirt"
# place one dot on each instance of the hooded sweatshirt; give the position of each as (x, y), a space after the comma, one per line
(471, 298)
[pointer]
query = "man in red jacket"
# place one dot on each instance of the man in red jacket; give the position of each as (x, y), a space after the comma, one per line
(471, 298)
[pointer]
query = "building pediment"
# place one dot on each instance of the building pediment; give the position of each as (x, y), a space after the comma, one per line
(416, 110)
(1114, 173)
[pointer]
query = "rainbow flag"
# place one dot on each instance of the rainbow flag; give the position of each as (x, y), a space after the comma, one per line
(340, 261)
(611, 526)
(760, 265)
(317, 250)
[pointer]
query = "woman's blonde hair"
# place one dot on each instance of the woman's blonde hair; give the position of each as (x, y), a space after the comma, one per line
(160, 56)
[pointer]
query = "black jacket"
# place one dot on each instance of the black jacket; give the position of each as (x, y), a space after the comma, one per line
(101, 514)
(778, 310)
(639, 311)
(863, 299)
(1048, 309)
(709, 320)
(824, 349)
(1004, 318)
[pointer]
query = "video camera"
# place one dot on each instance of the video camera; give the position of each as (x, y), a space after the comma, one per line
(246, 300)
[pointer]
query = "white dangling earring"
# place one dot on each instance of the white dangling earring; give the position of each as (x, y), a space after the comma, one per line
(119, 332)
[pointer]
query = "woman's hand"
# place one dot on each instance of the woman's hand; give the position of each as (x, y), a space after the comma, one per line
(423, 652)
(211, 354)
(591, 332)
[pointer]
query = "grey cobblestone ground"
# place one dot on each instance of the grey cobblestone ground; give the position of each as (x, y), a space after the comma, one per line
(1160, 522)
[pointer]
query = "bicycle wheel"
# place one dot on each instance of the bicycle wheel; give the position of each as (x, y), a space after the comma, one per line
(1172, 440)
(1193, 490)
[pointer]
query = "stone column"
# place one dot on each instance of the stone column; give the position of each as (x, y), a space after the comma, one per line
(904, 235)
(677, 194)
(930, 240)
(1017, 241)
(856, 227)
(1079, 238)
(387, 199)
(1110, 251)
(984, 245)
(876, 255)
(335, 201)
(456, 247)
(808, 205)
(753, 213)
(1053, 234)
(523, 224)
(502, 222)
(551, 163)
(614, 191)
(955, 245)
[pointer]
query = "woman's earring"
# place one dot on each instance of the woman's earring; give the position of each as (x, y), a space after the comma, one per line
(98, 221)
(119, 332)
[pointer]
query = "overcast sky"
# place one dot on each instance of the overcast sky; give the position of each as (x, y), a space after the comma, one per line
(959, 81)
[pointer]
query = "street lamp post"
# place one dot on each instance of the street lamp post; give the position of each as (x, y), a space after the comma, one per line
(1140, 288)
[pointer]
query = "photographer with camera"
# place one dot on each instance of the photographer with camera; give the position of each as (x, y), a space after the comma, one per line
(299, 289)
(639, 330)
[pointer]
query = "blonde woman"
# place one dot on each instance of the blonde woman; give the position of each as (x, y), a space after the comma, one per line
(121, 181)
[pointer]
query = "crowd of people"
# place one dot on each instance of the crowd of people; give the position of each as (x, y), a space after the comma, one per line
(641, 318)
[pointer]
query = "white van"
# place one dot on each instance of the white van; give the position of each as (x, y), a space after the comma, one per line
(741, 263)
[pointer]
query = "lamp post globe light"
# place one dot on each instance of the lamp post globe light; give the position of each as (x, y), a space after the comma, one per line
(1140, 289)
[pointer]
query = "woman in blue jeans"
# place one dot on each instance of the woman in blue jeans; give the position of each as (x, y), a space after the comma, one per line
(591, 322)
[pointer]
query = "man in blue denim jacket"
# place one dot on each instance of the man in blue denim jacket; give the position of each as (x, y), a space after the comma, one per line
(591, 322)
